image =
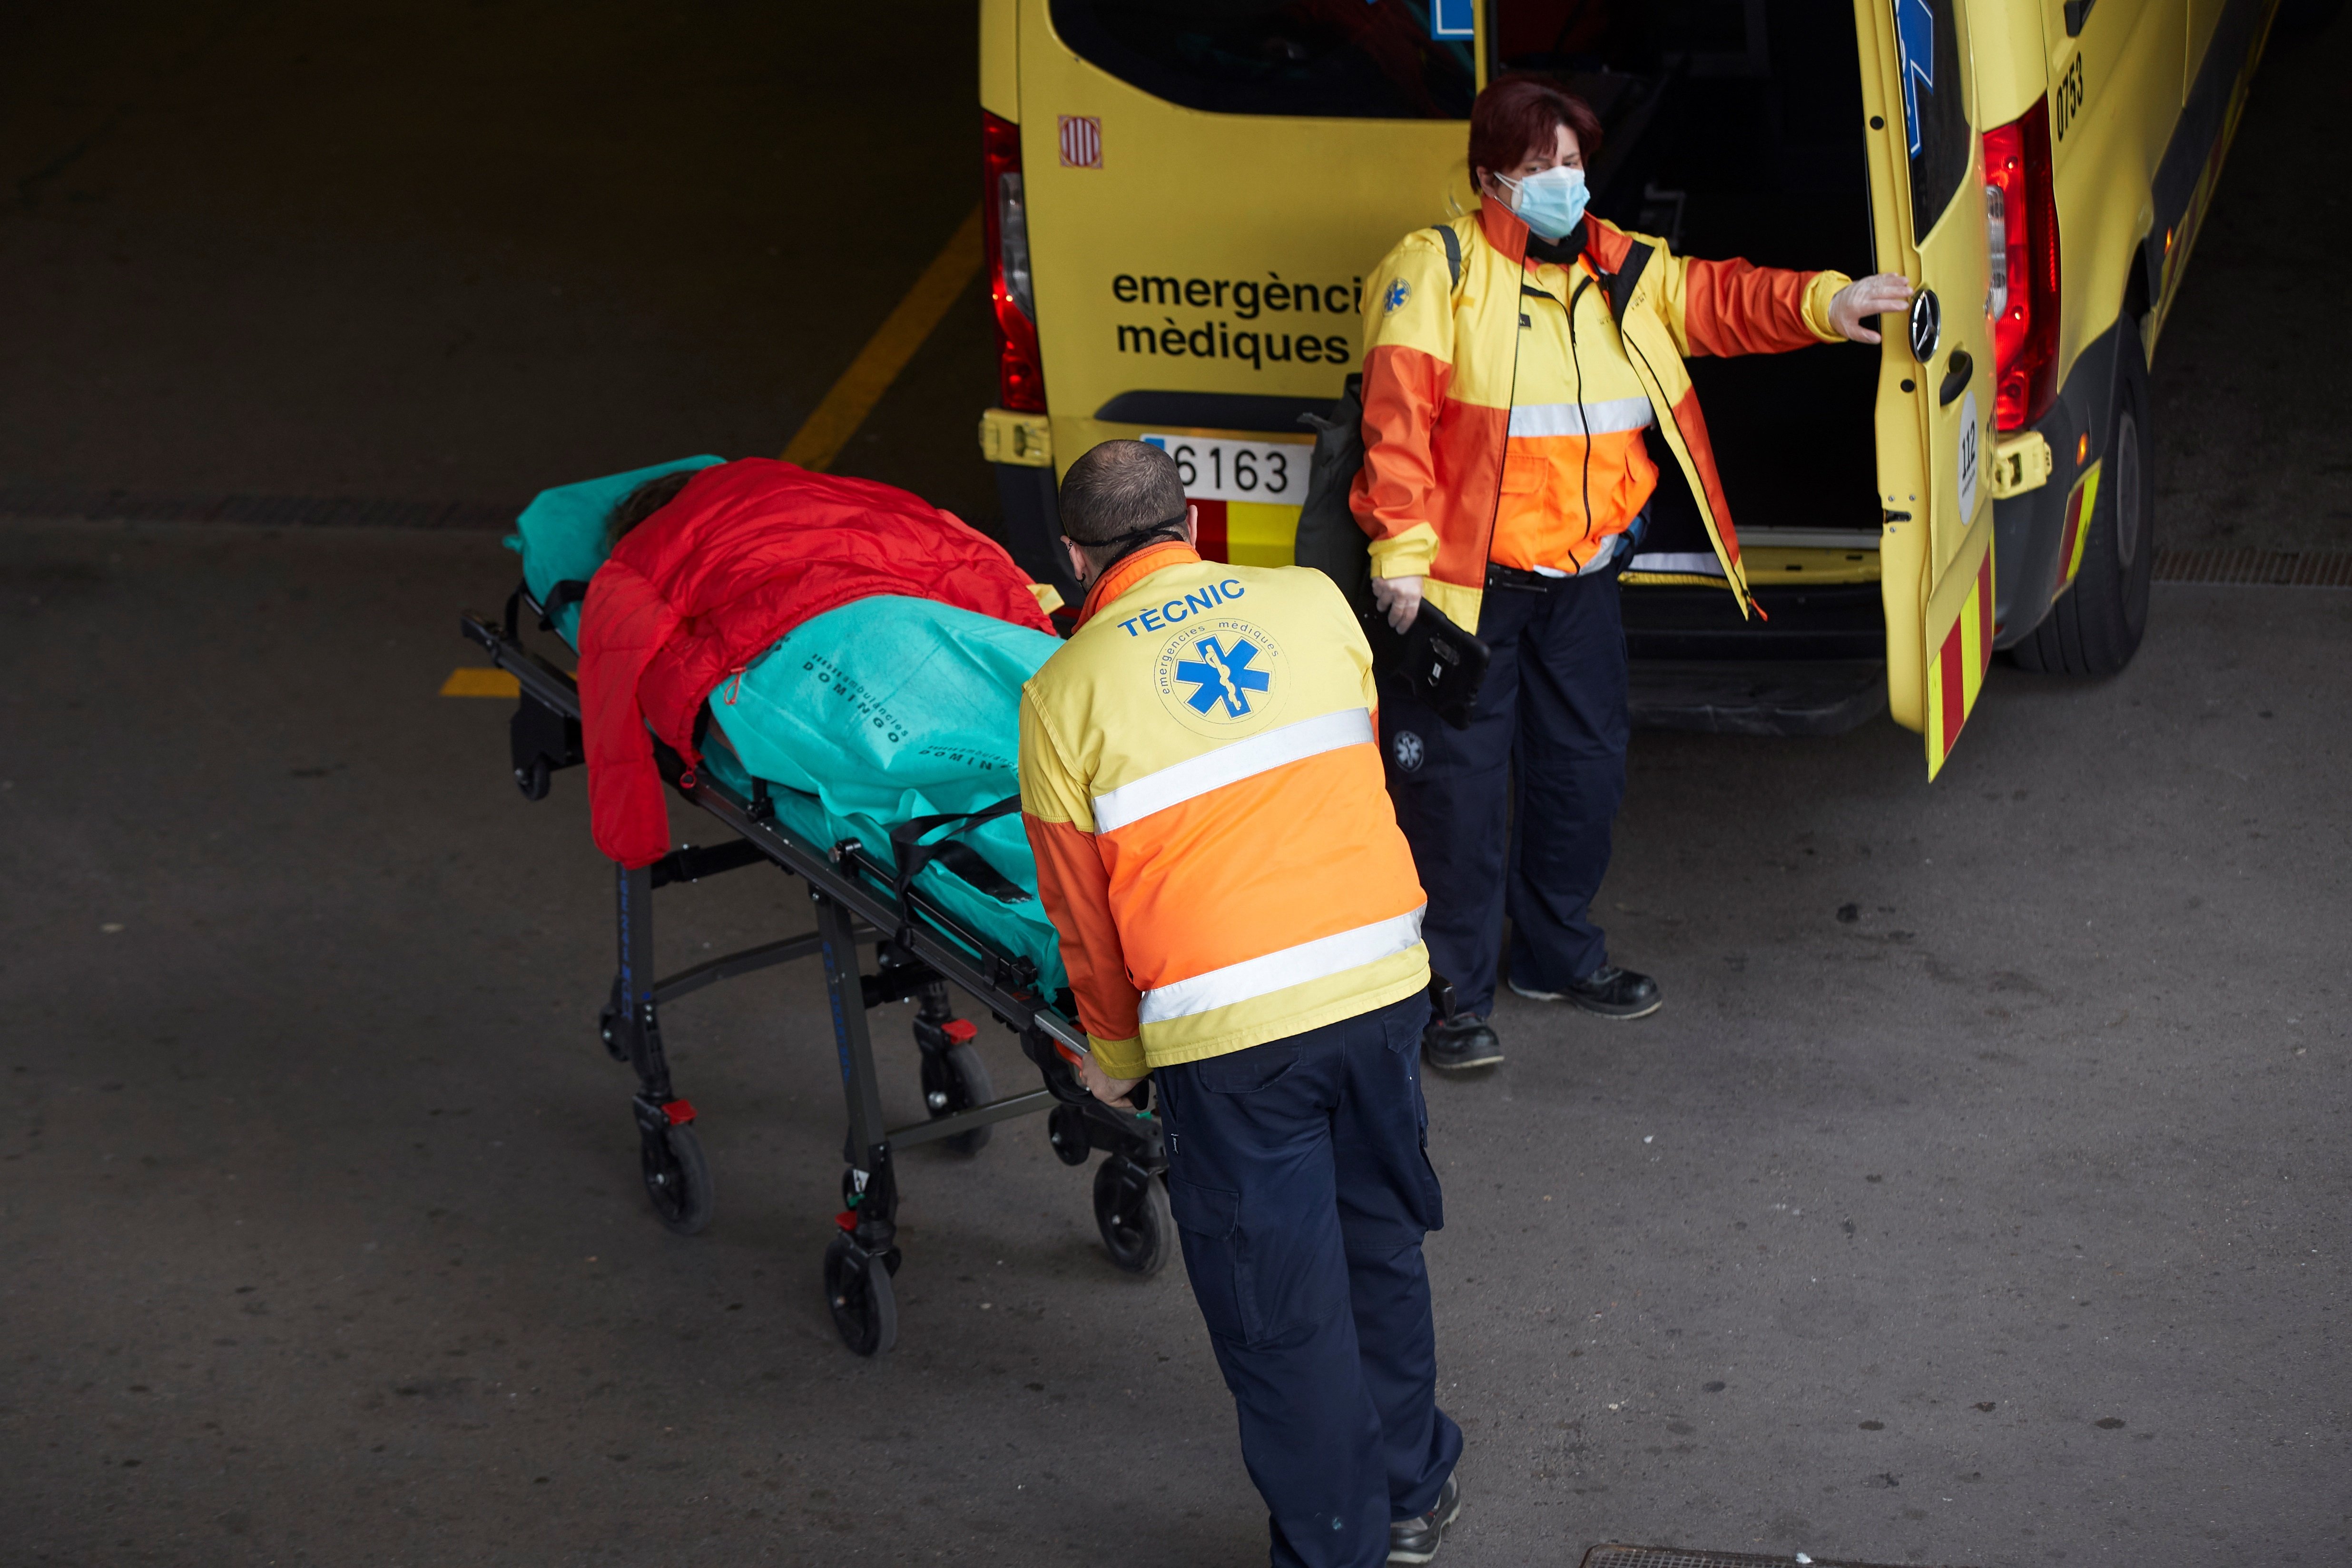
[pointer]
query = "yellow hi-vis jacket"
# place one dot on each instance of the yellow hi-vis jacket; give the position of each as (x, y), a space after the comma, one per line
(1201, 780)
(1504, 413)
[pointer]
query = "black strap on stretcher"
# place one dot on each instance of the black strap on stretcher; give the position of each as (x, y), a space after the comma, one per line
(571, 591)
(911, 854)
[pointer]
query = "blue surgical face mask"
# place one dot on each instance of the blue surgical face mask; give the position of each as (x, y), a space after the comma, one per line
(1550, 203)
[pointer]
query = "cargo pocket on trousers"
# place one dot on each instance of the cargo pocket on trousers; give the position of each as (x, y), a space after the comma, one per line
(1208, 1223)
(1403, 1033)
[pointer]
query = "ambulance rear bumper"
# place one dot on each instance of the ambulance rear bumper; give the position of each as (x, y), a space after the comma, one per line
(1764, 696)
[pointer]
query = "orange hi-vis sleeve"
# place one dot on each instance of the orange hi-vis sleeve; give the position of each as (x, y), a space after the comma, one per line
(1201, 777)
(1738, 308)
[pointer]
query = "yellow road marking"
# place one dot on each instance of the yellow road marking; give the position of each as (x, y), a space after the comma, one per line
(479, 683)
(829, 427)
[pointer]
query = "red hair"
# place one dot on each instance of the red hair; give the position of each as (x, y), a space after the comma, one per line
(1519, 115)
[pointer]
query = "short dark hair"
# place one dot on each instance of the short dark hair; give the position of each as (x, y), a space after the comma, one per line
(1119, 488)
(642, 502)
(1520, 114)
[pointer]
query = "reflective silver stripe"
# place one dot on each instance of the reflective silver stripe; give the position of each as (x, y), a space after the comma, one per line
(1601, 559)
(1688, 565)
(1317, 960)
(1115, 808)
(1618, 414)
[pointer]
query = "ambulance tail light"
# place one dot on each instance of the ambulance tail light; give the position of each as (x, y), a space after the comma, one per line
(1020, 378)
(2021, 228)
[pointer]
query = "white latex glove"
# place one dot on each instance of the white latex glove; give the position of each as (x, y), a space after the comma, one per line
(1865, 297)
(1398, 598)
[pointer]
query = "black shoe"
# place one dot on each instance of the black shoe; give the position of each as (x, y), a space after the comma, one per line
(1416, 1539)
(1464, 1040)
(1611, 992)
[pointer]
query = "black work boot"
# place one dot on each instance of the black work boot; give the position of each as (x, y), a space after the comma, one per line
(1462, 1042)
(1608, 991)
(1416, 1539)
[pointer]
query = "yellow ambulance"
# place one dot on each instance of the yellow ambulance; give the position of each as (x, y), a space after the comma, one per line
(1183, 198)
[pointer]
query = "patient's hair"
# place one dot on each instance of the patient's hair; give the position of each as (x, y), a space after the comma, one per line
(1118, 489)
(642, 502)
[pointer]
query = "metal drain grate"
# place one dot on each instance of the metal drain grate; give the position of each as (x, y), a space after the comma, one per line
(2257, 568)
(1675, 1557)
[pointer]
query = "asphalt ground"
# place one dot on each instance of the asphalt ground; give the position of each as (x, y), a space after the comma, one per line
(2000, 1223)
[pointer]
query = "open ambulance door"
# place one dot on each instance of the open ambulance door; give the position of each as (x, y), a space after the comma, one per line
(1935, 380)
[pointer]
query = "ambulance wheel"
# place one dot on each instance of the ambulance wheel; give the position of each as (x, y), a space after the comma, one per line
(533, 780)
(865, 1313)
(957, 1080)
(1131, 1212)
(677, 1179)
(2095, 626)
(1066, 1129)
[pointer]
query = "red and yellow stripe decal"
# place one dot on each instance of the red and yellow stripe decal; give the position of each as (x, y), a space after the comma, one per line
(1961, 665)
(2085, 495)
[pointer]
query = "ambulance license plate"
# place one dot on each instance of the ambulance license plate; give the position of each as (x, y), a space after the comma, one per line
(1215, 469)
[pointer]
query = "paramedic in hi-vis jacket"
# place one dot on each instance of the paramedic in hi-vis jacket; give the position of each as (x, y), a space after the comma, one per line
(1513, 362)
(1240, 919)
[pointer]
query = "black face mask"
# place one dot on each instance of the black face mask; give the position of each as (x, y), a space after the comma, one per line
(1121, 546)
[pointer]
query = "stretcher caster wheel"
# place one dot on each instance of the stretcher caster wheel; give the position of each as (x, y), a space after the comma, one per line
(865, 1313)
(533, 780)
(677, 1179)
(957, 1080)
(1066, 1129)
(1131, 1212)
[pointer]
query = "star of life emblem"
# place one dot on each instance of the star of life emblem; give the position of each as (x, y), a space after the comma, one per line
(1218, 674)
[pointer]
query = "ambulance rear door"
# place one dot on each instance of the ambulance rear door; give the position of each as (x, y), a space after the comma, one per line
(1208, 186)
(1934, 407)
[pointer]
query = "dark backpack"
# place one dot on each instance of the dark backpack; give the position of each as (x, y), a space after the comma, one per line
(1329, 539)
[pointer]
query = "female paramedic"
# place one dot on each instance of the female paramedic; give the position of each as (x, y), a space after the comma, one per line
(1513, 360)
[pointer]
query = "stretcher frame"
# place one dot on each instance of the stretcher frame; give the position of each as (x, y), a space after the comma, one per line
(921, 954)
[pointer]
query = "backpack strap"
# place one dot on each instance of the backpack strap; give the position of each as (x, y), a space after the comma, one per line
(1621, 281)
(1453, 243)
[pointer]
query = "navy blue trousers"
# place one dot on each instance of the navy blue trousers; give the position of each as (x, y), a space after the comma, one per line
(1552, 713)
(1298, 1171)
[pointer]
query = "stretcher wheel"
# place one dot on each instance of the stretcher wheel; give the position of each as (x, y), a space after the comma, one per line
(1131, 1212)
(677, 1179)
(865, 1313)
(957, 1080)
(533, 780)
(1066, 1129)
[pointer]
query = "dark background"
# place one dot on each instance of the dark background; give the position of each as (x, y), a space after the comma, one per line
(2002, 1223)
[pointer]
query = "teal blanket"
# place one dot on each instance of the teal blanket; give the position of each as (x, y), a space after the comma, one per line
(859, 719)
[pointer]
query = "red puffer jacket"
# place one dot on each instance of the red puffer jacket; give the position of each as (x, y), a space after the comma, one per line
(747, 551)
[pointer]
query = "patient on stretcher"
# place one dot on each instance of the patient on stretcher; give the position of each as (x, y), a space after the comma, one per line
(859, 650)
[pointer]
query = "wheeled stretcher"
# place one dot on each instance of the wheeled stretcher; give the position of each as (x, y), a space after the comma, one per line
(922, 953)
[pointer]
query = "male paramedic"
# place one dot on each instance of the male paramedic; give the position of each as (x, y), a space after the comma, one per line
(1239, 914)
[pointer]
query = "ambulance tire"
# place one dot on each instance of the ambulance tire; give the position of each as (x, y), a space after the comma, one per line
(857, 1291)
(2096, 625)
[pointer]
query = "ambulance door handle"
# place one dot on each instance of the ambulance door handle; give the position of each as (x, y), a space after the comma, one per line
(1957, 372)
